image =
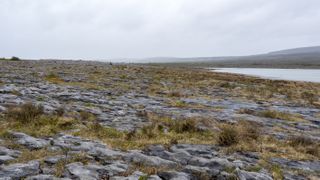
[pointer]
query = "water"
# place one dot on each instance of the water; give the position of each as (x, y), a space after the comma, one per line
(309, 75)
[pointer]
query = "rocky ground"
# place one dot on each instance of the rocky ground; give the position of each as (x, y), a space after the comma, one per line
(91, 120)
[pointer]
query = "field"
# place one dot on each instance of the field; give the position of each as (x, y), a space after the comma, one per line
(99, 120)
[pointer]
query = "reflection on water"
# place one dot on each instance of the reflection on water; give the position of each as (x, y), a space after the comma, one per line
(311, 75)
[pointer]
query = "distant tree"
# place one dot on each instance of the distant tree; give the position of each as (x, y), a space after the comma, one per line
(14, 58)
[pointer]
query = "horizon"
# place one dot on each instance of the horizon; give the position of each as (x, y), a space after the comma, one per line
(150, 59)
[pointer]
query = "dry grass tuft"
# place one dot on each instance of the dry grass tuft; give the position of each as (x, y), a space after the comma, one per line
(60, 166)
(27, 118)
(280, 115)
(228, 136)
(305, 145)
(25, 113)
(54, 78)
(161, 130)
(28, 155)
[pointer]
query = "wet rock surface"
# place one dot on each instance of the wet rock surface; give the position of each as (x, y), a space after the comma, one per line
(120, 110)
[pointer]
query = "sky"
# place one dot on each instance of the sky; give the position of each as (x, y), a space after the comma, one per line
(105, 29)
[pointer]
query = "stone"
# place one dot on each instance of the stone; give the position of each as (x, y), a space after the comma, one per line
(29, 141)
(5, 178)
(90, 171)
(9, 152)
(173, 175)
(302, 165)
(135, 176)
(214, 163)
(45, 177)
(77, 170)
(204, 172)
(204, 151)
(92, 148)
(245, 175)
(182, 157)
(20, 170)
(116, 168)
(139, 158)
(54, 159)
(5, 158)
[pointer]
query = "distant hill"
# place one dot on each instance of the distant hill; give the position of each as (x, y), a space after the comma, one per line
(306, 57)
(303, 50)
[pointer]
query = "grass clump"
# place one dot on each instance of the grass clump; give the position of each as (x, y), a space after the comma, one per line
(87, 116)
(280, 115)
(54, 78)
(148, 170)
(25, 113)
(31, 119)
(228, 136)
(277, 172)
(301, 141)
(175, 93)
(179, 104)
(240, 136)
(28, 155)
(254, 168)
(60, 166)
(161, 130)
(249, 130)
(305, 145)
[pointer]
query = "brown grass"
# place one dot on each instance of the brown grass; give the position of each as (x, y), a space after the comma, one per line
(228, 136)
(161, 130)
(25, 113)
(54, 78)
(281, 115)
(31, 119)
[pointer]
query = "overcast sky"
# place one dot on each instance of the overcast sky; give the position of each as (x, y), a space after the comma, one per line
(102, 29)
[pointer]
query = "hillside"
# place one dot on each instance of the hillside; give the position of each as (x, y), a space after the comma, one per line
(307, 57)
(302, 50)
